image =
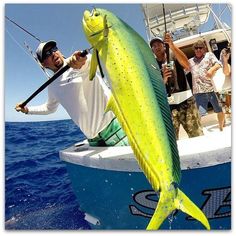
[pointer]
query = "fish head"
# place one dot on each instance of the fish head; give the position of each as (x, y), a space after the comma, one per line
(95, 26)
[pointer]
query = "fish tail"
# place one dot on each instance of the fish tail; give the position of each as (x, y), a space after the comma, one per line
(162, 211)
(181, 202)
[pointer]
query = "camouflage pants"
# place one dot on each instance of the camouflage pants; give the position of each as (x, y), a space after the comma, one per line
(187, 115)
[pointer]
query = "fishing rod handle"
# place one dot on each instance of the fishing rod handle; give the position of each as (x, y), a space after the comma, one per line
(84, 53)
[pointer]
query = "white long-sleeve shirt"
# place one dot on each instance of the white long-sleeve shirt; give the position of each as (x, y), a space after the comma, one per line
(84, 100)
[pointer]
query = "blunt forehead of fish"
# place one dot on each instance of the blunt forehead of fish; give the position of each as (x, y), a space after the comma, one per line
(93, 19)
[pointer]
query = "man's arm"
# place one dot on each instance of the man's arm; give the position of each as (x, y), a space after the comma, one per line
(47, 108)
(180, 56)
(216, 64)
(212, 70)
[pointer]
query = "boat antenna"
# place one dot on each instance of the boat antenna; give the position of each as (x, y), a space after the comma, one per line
(26, 31)
(168, 86)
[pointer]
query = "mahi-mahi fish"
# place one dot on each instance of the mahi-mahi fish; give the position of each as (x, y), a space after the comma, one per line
(139, 102)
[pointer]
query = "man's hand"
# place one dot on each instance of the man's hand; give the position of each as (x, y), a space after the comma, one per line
(168, 39)
(19, 108)
(225, 55)
(75, 60)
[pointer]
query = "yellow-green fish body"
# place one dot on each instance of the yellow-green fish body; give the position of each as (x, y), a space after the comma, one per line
(140, 103)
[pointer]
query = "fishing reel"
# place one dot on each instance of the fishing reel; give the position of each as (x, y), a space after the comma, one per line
(170, 65)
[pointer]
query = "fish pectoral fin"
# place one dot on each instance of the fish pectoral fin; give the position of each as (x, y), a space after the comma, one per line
(106, 28)
(93, 66)
(183, 203)
(112, 105)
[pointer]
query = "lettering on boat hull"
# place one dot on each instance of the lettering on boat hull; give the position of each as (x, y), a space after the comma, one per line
(216, 205)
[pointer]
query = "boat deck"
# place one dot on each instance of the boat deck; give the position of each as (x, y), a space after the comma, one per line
(209, 124)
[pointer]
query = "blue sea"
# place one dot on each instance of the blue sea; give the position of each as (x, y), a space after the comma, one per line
(38, 191)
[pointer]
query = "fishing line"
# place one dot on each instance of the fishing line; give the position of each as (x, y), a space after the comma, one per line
(26, 31)
(36, 59)
(29, 52)
(12, 37)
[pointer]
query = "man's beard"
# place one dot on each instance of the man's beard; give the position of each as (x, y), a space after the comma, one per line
(58, 66)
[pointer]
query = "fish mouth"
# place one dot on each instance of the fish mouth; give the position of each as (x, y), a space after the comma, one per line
(88, 18)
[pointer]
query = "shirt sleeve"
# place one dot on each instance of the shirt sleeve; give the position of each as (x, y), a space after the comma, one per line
(47, 108)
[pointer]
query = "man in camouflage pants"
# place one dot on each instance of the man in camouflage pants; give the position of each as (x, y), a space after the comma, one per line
(187, 114)
(182, 103)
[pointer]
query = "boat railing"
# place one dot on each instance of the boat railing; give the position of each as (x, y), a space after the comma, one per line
(183, 20)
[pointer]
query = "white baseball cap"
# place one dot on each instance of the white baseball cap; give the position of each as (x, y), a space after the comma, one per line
(41, 47)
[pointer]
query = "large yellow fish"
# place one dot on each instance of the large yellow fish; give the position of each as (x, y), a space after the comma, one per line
(140, 103)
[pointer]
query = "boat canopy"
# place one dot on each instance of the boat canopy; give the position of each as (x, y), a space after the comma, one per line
(180, 18)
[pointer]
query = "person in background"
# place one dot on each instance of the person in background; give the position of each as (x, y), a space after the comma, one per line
(225, 58)
(203, 67)
(84, 100)
(182, 103)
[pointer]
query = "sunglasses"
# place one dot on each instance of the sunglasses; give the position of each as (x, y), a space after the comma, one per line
(196, 48)
(49, 52)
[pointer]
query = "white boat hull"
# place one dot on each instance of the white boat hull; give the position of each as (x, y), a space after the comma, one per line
(115, 194)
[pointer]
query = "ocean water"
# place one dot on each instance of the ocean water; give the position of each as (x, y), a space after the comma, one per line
(38, 192)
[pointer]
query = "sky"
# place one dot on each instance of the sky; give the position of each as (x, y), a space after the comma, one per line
(61, 22)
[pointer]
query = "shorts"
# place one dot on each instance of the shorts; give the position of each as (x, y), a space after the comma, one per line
(112, 135)
(202, 100)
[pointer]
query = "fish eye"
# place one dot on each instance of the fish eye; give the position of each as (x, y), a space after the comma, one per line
(97, 13)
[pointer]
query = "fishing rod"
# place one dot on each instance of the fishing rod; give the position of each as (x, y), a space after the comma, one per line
(50, 80)
(166, 44)
(168, 86)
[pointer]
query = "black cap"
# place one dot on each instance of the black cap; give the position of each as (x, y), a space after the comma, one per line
(157, 39)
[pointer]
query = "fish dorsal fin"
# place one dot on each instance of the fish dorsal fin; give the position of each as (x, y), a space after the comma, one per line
(93, 66)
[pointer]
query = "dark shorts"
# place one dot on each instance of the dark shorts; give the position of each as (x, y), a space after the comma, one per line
(112, 135)
(202, 100)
